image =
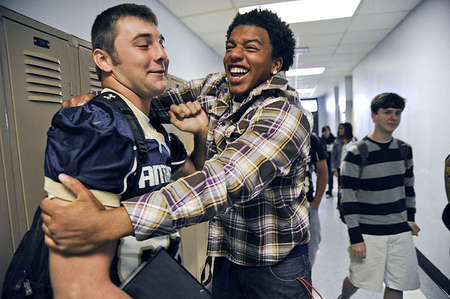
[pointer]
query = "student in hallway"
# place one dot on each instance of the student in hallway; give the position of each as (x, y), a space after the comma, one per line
(328, 139)
(378, 201)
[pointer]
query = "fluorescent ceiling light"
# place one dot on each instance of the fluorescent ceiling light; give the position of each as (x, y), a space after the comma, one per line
(309, 10)
(305, 71)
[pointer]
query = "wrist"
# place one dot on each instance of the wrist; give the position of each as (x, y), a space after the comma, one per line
(117, 224)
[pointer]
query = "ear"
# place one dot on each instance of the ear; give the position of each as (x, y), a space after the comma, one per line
(277, 64)
(102, 60)
(373, 116)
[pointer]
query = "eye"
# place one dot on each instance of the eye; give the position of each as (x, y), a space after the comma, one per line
(251, 47)
(162, 41)
(143, 46)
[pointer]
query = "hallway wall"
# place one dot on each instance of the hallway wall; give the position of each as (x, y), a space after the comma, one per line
(414, 61)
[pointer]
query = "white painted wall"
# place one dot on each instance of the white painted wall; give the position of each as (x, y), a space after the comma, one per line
(327, 112)
(190, 58)
(414, 61)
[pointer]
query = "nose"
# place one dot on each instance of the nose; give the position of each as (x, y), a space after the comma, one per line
(160, 54)
(235, 54)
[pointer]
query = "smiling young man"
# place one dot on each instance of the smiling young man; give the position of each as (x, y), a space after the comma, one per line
(251, 186)
(98, 144)
(378, 202)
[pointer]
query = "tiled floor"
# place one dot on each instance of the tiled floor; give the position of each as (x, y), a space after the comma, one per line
(332, 260)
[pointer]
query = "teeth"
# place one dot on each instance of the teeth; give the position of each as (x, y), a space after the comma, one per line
(238, 70)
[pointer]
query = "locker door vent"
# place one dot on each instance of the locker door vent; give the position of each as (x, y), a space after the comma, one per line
(43, 77)
(94, 82)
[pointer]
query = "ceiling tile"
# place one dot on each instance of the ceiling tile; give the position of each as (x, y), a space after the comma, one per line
(321, 50)
(211, 22)
(320, 40)
(321, 27)
(215, 38)
(355, 48)
(244, 3)
(377, 21)
(195, 7)
(381, 6)
(313, 60)
(365, 37)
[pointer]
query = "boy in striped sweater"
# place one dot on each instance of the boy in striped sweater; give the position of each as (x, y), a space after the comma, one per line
(378, 202)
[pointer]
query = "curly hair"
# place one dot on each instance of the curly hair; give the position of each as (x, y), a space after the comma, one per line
(281, 36)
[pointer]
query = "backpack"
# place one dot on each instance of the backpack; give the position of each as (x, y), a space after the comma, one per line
(28, 274)
(364, 152)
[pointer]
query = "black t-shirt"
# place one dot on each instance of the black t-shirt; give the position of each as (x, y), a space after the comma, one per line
(317, 153)
(328, 142)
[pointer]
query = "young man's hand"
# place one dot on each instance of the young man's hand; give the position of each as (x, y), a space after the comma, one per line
(189, 117)
(83, 225)
(359, 250)
(415, 229)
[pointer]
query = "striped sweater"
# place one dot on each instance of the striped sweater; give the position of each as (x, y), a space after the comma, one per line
(378, 199)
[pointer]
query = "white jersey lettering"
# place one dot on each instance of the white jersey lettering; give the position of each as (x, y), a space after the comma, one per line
(154, 175)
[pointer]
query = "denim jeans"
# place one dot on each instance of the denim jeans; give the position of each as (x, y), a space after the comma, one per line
(232, 281)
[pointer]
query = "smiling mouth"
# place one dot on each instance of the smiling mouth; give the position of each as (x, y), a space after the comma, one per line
(237, 73)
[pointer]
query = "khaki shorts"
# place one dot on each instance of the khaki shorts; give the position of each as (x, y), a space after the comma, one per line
(390, 259)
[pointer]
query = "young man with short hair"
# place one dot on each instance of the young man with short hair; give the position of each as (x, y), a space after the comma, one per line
(95, 144)
(378, 202)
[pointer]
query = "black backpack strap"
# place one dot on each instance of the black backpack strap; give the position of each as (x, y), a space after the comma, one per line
(139, 137)
(403, 147)
(160, 128)
(364, 154)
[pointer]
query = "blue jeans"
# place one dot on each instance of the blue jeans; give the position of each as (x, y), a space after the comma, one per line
(232, 281)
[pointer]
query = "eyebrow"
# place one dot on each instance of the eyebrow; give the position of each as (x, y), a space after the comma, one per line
(247, 41)
(143, 35)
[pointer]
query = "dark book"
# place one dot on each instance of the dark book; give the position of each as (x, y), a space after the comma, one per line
(162, 277)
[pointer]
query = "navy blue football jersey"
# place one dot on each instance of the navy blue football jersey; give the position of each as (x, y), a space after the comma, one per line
(95, 144)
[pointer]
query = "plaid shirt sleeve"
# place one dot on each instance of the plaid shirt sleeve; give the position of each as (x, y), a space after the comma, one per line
(274, 139)
(189, 92)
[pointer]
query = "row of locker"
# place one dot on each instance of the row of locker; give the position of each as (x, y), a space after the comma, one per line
(40, 67)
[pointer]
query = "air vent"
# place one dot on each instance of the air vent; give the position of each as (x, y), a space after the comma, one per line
(43, 77)
(94, 82)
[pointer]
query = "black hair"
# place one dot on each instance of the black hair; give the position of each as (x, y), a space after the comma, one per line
(387, 100)
(103, 32)
(348, 130)
(324, 128)
(281, 36)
